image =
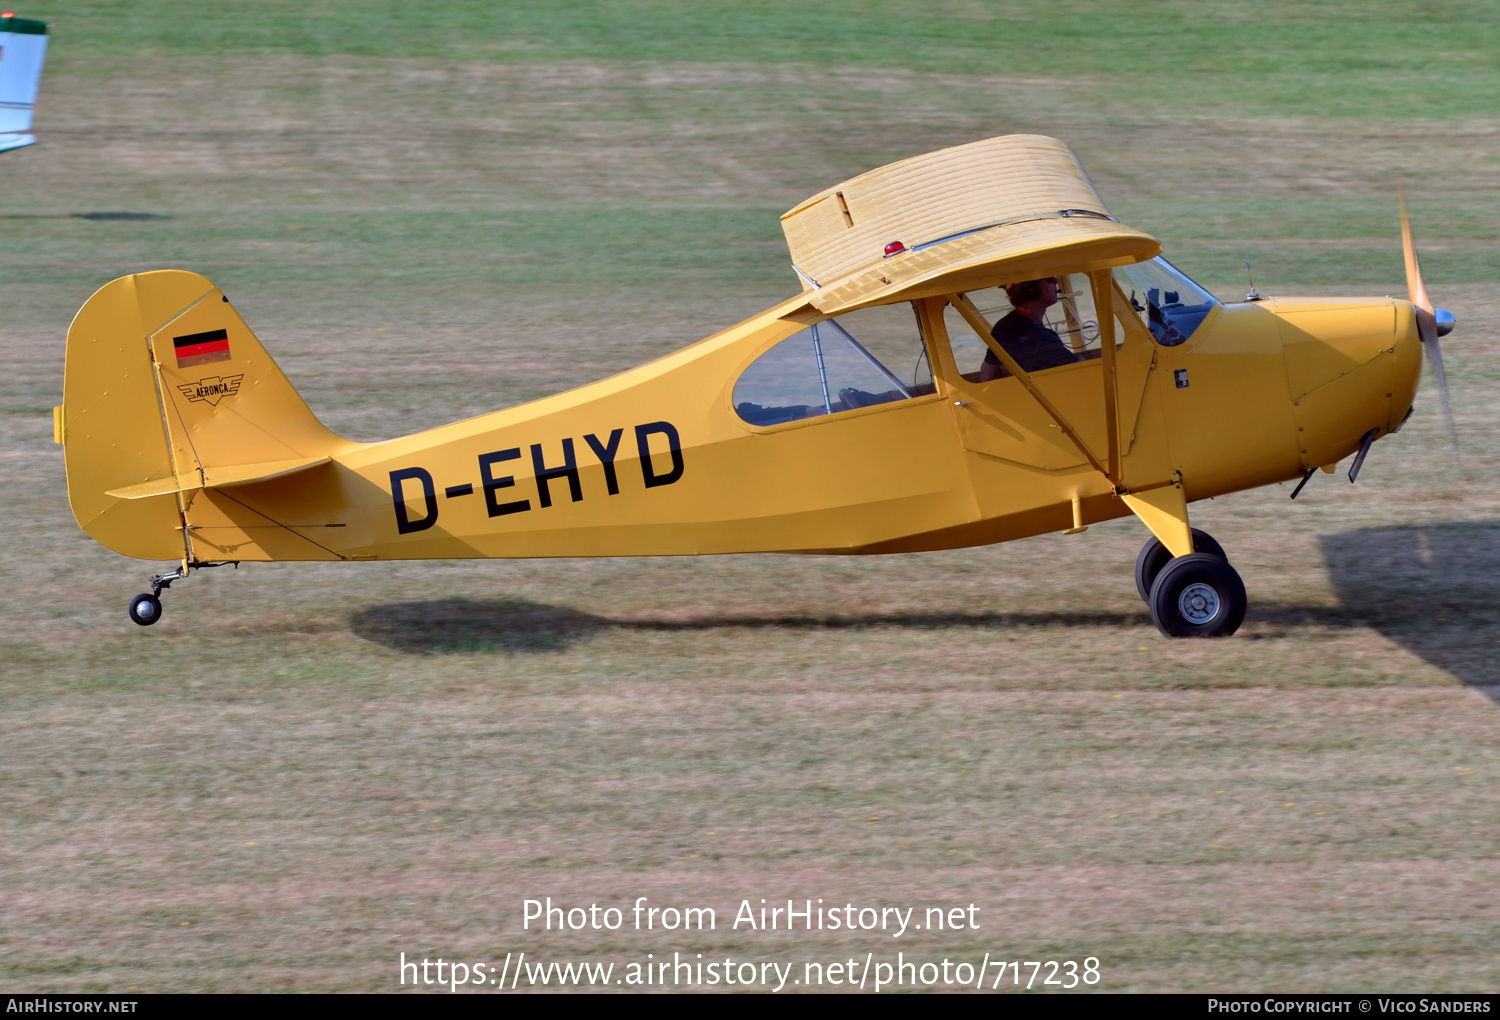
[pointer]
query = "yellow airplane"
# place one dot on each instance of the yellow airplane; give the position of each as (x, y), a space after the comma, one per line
(881, 410)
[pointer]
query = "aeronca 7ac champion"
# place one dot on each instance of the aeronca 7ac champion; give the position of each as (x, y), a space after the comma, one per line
(884, 409)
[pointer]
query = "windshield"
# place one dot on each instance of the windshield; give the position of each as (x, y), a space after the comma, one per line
(1171, 305)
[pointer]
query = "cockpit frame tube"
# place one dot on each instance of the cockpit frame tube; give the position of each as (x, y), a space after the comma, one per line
(1104, 288)
(859, 348)
(822, 373)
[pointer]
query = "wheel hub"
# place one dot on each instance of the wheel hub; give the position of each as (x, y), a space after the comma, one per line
(1198, 603)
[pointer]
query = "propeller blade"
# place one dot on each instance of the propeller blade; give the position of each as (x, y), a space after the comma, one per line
(1427, 324)
(1414, 285)
(1435, 359)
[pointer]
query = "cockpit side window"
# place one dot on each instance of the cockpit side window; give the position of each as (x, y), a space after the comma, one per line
(1171, 305)
(1073, 319)
(833, 366)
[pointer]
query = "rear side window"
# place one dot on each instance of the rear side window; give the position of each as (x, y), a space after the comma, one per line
(825, 369)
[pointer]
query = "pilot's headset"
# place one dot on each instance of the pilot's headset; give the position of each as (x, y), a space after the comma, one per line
(1020, 293)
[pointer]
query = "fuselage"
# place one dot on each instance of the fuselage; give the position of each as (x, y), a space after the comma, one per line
(658, 460)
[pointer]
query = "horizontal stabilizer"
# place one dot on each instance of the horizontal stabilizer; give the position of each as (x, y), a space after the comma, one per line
(218, 478)
(15, 141)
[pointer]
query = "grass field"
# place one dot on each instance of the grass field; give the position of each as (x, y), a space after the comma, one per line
(430, 211)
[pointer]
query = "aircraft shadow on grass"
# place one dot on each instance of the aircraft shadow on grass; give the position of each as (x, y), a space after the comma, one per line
(517, 625)
(1433, 589)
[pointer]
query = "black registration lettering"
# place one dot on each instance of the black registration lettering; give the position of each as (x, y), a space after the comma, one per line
(606, 455)
(404, 524)
(545, 475)
(643, 435)
(492, 484)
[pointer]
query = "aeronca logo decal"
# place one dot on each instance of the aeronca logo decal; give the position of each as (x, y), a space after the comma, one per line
(211, 388)
(201, 348)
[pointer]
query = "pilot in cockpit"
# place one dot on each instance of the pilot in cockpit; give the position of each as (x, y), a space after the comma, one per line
(1022, 333)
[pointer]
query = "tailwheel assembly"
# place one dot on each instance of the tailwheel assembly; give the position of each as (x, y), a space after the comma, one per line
(1154, 556)
(146, 609)
(1198, 595)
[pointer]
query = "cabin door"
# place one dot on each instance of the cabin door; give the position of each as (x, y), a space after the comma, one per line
(999, 420)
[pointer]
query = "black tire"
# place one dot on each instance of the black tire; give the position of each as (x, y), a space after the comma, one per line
(1154, 556)
(1198, 595)
(145, 610)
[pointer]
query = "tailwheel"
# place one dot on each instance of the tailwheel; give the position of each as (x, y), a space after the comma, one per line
(145, 609)
(1154, 556)
(1198, 595)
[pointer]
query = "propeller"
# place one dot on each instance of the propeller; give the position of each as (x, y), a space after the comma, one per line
(1431, 322)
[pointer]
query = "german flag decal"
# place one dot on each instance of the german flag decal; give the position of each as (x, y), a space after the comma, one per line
(201, 348)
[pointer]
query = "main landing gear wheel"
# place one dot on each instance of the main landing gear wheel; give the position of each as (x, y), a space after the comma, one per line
(1154, 556)
(1198, 595)
(145, 609)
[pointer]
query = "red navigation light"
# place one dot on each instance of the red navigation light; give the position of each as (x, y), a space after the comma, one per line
(7, 14)
(894, 248)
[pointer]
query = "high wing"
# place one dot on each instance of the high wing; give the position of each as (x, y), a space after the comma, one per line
(23, 48)
(1015, 207)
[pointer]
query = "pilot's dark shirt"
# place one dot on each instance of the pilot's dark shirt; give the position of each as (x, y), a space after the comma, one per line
(1033, 345)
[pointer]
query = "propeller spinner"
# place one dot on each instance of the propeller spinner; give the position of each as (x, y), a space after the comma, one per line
(1431, 322)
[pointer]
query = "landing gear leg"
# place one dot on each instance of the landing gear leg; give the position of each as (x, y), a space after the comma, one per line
(1154, 556)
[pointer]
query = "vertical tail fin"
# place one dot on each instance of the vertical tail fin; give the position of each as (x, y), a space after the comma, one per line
(167, 391)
